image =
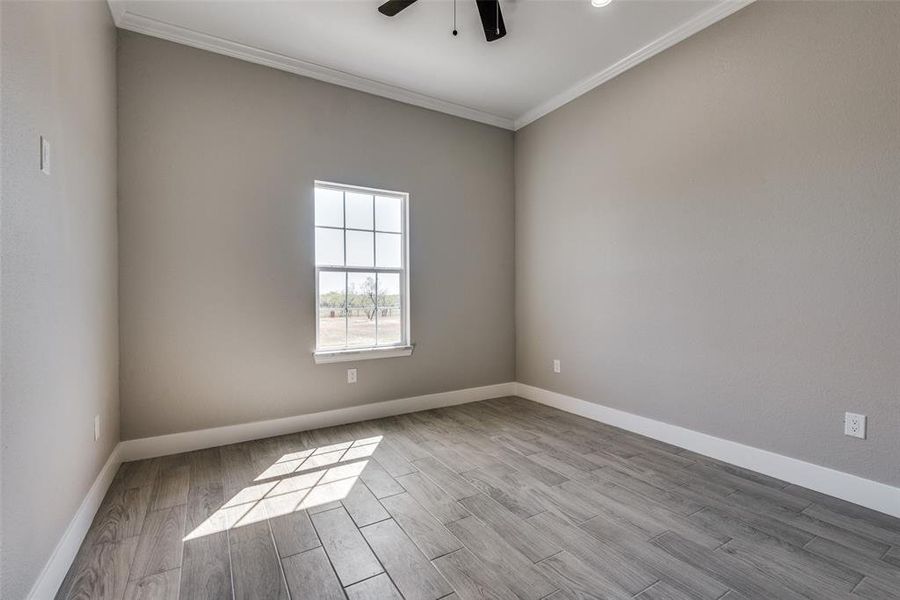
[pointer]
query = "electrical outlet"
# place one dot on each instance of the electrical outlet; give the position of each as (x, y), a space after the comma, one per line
(351, 375)
(855, 425)
(96, 427)
(557, 368)
(45, 155)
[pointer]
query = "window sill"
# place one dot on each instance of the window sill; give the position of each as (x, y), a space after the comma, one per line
(336, 356)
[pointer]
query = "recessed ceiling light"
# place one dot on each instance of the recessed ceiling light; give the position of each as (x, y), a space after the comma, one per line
(600, 3)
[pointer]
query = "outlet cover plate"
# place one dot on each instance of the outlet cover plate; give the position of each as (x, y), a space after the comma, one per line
(351, 375)
(855, 425)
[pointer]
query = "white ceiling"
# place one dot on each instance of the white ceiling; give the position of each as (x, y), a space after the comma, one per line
(554, 51)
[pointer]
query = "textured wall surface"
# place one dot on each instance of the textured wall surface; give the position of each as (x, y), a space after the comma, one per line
(58, 301)
(217, 162)
(711, 239)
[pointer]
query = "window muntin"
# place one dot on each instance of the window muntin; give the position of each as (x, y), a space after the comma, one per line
(362, 295)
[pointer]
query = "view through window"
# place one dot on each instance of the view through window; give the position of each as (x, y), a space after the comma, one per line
(361, 260)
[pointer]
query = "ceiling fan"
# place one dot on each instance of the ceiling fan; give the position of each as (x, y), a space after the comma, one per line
(488, 10)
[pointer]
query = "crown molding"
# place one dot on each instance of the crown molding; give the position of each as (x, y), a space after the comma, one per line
(667, 40)
(189, 37)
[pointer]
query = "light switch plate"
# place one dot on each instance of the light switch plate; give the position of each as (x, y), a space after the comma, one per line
(45, 156)
(557, 366)
(96, 428)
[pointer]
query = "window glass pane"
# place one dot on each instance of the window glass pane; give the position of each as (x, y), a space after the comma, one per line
(329, 208)
(389, 289)
(388, 213)
(389, 315)
(329, 247)
(388, 250)
(359, 211)
(332, 313)
(359, 249)
(361, 302)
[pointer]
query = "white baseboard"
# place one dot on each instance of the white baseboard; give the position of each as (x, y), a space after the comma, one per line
(865, 492)
(57, 566)
(217, 436)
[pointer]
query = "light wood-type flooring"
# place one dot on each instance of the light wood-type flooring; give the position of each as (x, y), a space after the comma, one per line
(501, 499)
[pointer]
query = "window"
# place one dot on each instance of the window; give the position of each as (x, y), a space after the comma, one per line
(362, 283)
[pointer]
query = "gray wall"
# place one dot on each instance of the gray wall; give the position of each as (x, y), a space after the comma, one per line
(59, 346)
(711, 239)
(217, 159)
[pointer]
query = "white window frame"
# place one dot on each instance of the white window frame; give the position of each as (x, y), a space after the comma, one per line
(404, 347)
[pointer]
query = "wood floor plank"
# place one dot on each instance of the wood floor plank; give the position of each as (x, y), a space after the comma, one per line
(519, 573)
(392, 460)
(565, 463)
(160, 544)
(579, 579)
(476, 453)
(432, 498)
(847, 508)
(753, 584)
(752, 488)
(853, 523)
(310, 576)
(722, 518)
(695, 582)
(507, 487)
(843, 557)
(362, 506)
(294, 533)
(457, 487)
(629, 573)
(752, 541)
(349, 553)
(846, 537)
(671, 498)
(471, 579)
(662, 591)
(102, 573)
(892, 556)
(517, 532)
(873, 589)
(379, 587)
(162, 586)
(432, 538)
(139, 473)
(206, 568)
(648, 518)
(172, 487)
(410, 570)
(736, 470)
(379, 481)
(524, 464)
(796, 572)
(238, 468)
(121, 515)
(255, 565)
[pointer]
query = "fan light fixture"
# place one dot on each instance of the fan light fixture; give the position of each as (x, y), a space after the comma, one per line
(600, 3)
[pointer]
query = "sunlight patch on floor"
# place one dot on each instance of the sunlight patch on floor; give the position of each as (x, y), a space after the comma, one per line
(296, 481)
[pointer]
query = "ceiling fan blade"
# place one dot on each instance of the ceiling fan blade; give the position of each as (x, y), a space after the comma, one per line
(491, 19)
(392, 7)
